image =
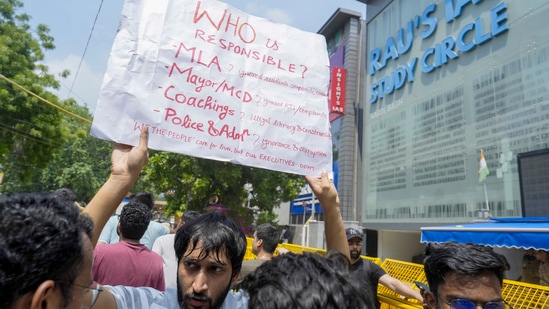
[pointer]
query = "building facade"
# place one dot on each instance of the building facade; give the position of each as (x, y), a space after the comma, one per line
(445, 79)
(438, 81)
(344, 35)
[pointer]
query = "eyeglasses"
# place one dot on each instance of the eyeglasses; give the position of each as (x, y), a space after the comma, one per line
(90, 294)
(469, 304)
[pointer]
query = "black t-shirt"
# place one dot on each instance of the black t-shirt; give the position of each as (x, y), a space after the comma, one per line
(368, 273)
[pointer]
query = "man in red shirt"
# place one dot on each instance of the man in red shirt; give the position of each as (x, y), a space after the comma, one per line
(128, 262)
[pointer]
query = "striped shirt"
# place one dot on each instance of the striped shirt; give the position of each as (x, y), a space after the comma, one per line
(148, 298)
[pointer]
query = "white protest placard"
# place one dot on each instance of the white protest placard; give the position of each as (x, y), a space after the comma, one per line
(211, 81)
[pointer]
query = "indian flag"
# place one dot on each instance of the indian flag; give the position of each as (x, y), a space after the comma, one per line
(483, 168)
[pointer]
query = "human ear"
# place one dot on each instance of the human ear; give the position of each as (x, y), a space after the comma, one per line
(234, 278)
(46, 296)
(259, 242)
(429, 300)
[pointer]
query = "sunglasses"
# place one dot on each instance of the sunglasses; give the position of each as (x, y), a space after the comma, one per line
(469, 304)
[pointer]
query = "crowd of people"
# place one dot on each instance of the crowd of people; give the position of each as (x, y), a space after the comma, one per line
(48, 260)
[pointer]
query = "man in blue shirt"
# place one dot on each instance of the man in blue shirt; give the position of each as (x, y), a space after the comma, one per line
(109, 234)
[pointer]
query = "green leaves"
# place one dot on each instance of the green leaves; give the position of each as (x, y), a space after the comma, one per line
(190, 183)
(29, 129)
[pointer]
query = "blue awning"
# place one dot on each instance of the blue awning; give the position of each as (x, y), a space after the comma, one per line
(497, 232)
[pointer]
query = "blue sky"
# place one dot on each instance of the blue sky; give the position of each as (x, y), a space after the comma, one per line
(71, 21)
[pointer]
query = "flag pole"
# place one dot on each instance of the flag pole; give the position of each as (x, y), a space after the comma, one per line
(483, 172)
(486, 198)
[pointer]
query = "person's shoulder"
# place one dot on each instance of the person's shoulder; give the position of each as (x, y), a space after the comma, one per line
(101, 249)
(236, 300)
(149, 298)
(366, 261)
(165, 239)
(159, 227)
(374, 269)
(249, 266)
(371, 264)
(255, 262)
(114, 248)
(154, 255)
(112, 220)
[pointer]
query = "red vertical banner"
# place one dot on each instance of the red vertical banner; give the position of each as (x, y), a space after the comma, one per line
(337, 90)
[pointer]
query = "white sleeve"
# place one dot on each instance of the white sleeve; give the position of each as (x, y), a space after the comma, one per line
(107, 231)
(236, 300)
(140, 298)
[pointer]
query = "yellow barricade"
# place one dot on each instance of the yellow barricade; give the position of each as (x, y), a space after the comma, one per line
(406, 272)
(522, 295)
(297, 249)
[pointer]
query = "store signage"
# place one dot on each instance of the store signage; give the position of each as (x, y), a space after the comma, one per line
(337, 90)
(434, 57)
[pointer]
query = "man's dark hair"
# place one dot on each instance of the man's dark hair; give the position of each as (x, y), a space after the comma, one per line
(134, 220)
(303, 281)
(146, 198)
(65, 194)
(217, 233)
(41, 238)
(269, 235)
(469, 259)
(189, 215)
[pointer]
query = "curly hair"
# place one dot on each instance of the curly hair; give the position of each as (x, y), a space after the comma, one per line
(41, 238)
(134, 220)
(305, 281)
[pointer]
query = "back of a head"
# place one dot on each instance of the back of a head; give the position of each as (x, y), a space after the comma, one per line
(189, 215)
(40, 239)
(305, 281)
(134, 220)
(469, 259)
(218, 234)
(65, 194)
(146, 198)
(269, 235)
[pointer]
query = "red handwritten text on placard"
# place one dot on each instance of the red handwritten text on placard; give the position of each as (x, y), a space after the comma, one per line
(310, 112)
(227, 131)
(183, 121)
(314, 132)
(200, 58)
(223, 86)
(223, 130)
(280, 124)
(232, 87)
(313, 153)
(205, 104)
(266, 143)
(261, 119)
(249, 53)
(267, 101)
(245, 96)
(194, 79)
(163, 132)
(276, 160)
(250, 74)
(179, 136)
(244, 31)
